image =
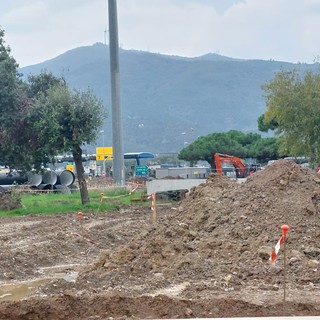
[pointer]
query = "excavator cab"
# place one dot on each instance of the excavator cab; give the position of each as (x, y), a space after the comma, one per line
(254, 167)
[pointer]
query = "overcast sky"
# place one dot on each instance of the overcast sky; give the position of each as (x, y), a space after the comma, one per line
(286, 30)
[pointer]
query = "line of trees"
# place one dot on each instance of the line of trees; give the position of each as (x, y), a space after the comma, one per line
(42, 117)
(236, 143)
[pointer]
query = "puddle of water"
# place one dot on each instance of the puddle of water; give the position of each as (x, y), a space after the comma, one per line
(25, 289)
(17, 291)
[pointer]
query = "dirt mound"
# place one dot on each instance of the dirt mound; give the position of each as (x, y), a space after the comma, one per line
(122, 307)
(224, 231)
(208, 257)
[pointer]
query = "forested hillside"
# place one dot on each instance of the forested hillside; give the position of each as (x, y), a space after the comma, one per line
(167, 101)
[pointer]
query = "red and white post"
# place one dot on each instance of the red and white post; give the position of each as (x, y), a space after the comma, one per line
(153, 206)
(274, 254)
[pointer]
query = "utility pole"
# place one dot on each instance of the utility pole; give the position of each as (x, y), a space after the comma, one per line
(118, 157)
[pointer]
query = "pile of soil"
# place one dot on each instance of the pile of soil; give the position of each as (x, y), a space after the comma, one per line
(224, 231)
(208, 257)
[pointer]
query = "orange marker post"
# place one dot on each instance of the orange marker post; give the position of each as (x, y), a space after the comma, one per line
(284, 229)
(154, 206)
(80, 215)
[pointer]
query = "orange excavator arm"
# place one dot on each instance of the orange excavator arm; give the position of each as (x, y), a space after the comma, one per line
(219, 158)
(217, 161)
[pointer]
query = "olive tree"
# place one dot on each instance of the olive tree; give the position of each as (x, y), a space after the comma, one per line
(19, 142)
(67, 120)
(42, 117)
(293, 104)
(9, 101)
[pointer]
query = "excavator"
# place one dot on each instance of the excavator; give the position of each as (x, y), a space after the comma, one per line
(240, 168)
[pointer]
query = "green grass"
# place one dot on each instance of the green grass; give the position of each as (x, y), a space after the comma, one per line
(53, 203)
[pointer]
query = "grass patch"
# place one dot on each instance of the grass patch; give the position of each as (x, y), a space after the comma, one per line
(52, 203)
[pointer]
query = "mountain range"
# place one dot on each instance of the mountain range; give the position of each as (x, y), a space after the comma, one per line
(168, 101)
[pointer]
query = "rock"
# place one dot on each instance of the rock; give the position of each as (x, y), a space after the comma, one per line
(264, 252)
(312, 251)
(313, 263)
(188, 312)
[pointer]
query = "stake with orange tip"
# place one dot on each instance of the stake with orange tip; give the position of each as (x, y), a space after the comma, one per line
(282, 239)
(274, 254)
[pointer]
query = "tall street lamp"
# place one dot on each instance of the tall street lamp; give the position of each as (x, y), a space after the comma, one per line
(184, 138)
(102, 132)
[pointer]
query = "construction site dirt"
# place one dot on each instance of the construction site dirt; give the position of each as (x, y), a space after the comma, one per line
(206, 256)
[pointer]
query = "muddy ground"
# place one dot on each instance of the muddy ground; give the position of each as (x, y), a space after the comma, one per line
(207, 256)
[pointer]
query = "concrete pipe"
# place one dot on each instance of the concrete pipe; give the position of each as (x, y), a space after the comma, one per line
(49, 177)
(63, 189)
(9, 179)
(2, 190)
(65, 178)
(35, 179)
(46, 187)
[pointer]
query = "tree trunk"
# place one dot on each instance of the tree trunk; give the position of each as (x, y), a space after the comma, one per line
(77, 157)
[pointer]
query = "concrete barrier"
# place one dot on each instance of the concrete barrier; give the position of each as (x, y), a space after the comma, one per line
(161, 185)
